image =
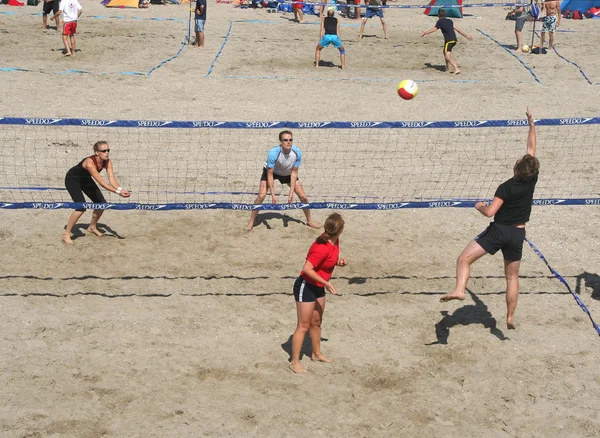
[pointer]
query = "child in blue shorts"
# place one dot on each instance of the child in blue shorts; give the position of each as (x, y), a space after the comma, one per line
(330, 34)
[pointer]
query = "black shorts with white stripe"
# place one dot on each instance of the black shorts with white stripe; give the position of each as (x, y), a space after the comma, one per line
(304, 292)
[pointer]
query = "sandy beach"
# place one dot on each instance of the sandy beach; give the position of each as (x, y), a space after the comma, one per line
(179, 323)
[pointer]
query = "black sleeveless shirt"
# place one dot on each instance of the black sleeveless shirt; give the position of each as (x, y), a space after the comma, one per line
(330, 26)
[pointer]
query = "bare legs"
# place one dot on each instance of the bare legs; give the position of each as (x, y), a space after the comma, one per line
(94, 222)
(310, 316)
(383, 24)
(511, 272)
(550, 40)
(298, 14)
(342, 57)
(451, 62)
(519, 36)
(318, 56)
(199, 39)
(298, 189)
(69, 48)
(470, 254)
(75, 216)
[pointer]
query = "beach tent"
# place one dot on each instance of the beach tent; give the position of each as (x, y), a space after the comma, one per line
(121, 3)
(450, 12)
(578, 5)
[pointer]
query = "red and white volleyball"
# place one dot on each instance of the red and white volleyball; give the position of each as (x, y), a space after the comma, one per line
(407, 89)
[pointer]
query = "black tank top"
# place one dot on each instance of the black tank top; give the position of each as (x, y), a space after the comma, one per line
(330, 26)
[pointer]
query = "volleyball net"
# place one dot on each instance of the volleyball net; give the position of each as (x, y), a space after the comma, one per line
(187, 165)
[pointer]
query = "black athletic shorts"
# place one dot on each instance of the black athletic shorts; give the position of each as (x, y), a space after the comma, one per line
(507, 238)
(304, 292)
(50, 7)
(449, 45)
(283, 179)
(78, 185)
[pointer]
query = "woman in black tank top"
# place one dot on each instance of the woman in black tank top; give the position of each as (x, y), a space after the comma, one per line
(330, 34)
(80, 180)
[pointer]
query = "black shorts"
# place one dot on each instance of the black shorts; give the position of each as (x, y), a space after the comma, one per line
(283, 179)
(304, 292)
(50, 7)
(449, 45)
(77, 186)
(505, 237)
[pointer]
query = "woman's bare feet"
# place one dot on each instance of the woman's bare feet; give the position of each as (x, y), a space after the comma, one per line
(320, 358)
(95, 231)
(452, 296)
(510, 323)
(297, 368)
(67, 239)
(313, 224)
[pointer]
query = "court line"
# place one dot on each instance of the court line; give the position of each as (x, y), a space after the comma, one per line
(563, 281)
(513, 54)
(569, 61)
(220, 50)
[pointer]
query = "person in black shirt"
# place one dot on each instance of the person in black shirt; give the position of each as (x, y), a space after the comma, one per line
(512, 207)
(448, 29)
(330, 34)
(200, 20)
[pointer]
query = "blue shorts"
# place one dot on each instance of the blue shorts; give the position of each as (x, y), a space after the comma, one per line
(330, 39)
(200, 25)
(374, 13)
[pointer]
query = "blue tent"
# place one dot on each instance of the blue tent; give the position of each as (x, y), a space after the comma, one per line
(578, 5)
(450, 12)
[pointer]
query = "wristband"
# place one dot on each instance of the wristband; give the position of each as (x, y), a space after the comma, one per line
(119, 190)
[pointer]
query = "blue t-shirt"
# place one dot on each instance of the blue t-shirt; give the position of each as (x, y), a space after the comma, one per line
(199, 3)
(282, 163)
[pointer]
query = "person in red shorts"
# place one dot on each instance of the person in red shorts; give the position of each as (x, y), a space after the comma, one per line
(309, 290)
(298, 14)
(71, 11)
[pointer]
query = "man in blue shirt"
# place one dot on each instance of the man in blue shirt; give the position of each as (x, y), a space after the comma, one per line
(200, 19)
(282, 165)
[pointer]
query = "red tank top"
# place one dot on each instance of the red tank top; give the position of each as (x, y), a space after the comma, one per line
(99, 163)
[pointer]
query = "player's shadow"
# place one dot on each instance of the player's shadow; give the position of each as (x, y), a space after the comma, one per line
(441, 68)
(592, 281)
(477, 313)
(263, 219)
(305, 350)
(327, 64)
(64, 51)
(80, 230)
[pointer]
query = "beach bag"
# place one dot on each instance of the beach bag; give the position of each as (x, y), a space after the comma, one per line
(577, 15)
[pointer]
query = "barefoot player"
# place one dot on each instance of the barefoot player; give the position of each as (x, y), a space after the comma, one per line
(80, 180)
(309, 290)
(511, 208)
